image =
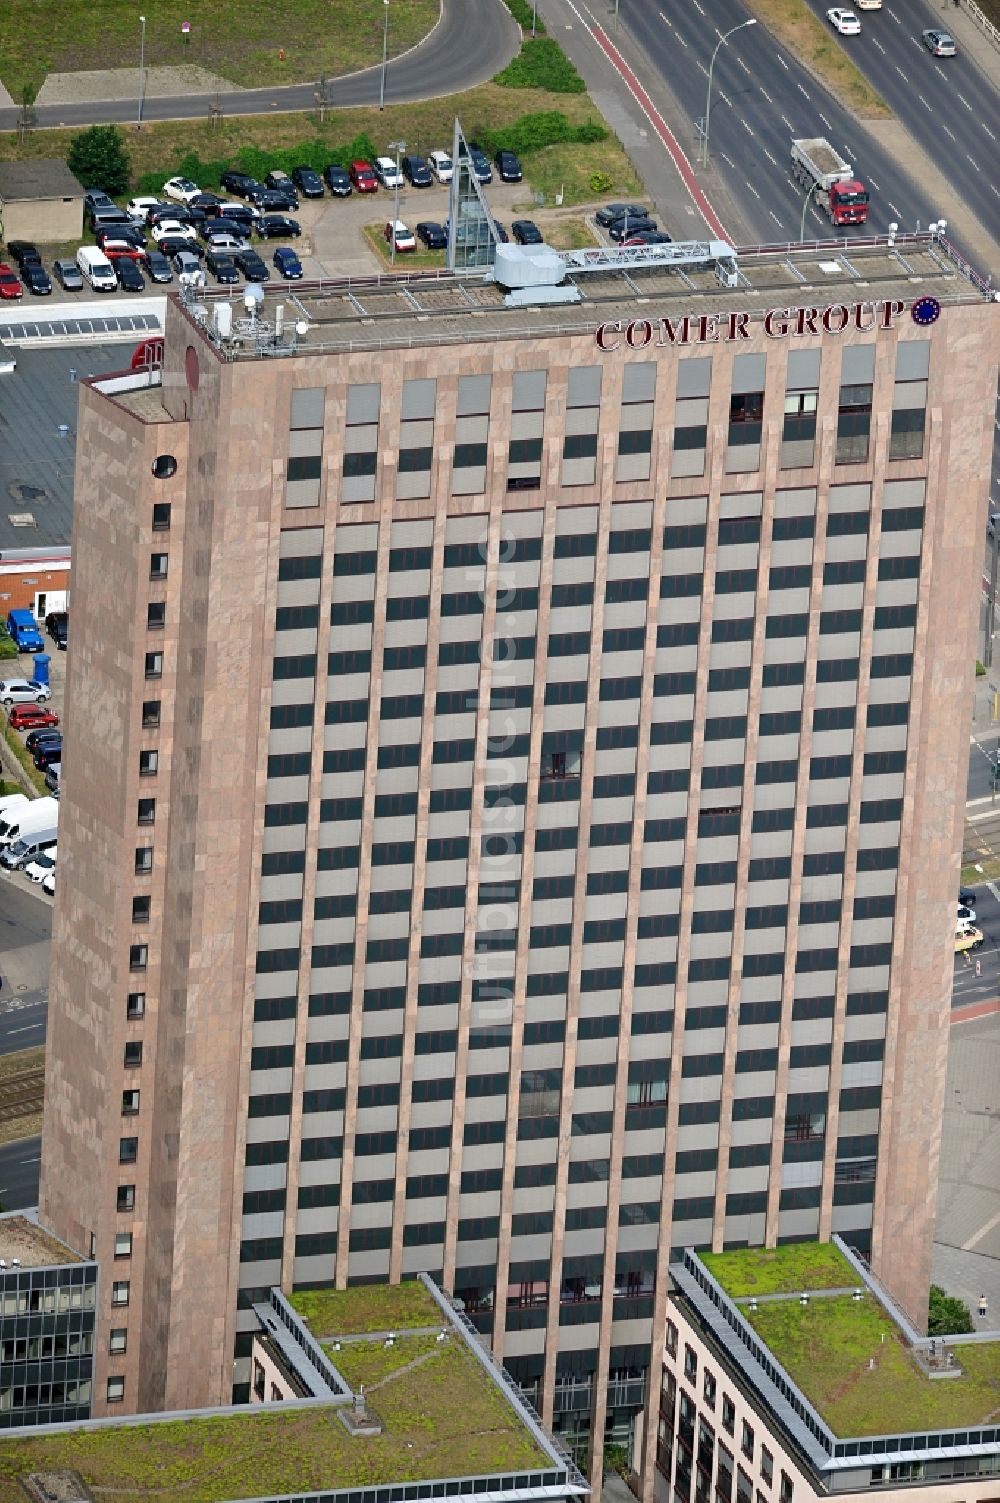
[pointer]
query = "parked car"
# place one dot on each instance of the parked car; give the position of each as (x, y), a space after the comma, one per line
(416, 172)
(222, 267)
(36, 279)
(158, 267)
(500, 231)
(208, 201)
(277, 226)
(648, 237)
(23, 252)
(480, 163)
(623, 228)
(338, 180)
(96, 198)
(105, 219)
(168, 211)
(508, 167)
(275, 201)
(387, 173)
(52, 775)
(32, 717)
(844, 21)
(966, 913)
(10, 283)
(363, 178)
(20, 691)
(57, 626)
(187, 261)
(227, 240)
(127, 234)
(239, 183)
(39, 736)
(432, 235)
(526, 232)
(172, 245)
(967, 897)
(288, 263)
(174, 229)
(941, 43)
(130, 278)
(49, 882)
(441, 166)
(251, 265)
(68, 275)
(278, 178)
(46, 754)
(42, 865)
(308, 182)
(113, 247)
(611, 212)
(402, 234)
(138, 208)
(180, 189)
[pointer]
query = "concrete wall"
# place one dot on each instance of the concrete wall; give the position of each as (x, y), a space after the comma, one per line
(45, 220)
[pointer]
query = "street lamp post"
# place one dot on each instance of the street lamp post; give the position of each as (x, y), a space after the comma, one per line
(534, 17)
(708, 98)
(398, 147)
(142, 68)
(805, 205)
(385, 55)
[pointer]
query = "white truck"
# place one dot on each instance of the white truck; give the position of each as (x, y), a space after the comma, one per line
(22, 820)
(816, 165)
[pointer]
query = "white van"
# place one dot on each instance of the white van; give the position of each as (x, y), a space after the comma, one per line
(10, 801)
(96, 269)
(18, 853)
(24, 819)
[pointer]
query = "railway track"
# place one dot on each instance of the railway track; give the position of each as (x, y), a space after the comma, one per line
(21, 1095)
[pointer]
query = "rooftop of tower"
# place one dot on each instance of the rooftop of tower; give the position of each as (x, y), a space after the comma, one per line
(415, 309)
(848, 1351)
(448, 1417)
(25, 1244)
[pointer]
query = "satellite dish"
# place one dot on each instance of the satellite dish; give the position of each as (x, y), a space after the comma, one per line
(301, 327)
(253, 296)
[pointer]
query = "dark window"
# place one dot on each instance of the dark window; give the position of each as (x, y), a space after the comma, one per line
(356, 465)
(854, 416)
(156, 614)
(746, 416)
(906, 438)
(161, 516)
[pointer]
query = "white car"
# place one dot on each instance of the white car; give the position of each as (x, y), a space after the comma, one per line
(138, 208)
(42, 866)
(387, 174)
(441, 166)
(868, 4)
(49, 884)
(966, 915)
(402, 234)
(173, 229)
(181, 189)
(844, 21)
(23, 691)
(223, 240)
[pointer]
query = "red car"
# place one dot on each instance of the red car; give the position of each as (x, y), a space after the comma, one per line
(32, 717)
(10, 283)
(362, 175)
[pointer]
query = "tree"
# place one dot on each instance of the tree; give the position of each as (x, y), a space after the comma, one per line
(946, 1314)
(98, 159)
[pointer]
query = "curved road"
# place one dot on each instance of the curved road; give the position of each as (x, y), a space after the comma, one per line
(473, 40)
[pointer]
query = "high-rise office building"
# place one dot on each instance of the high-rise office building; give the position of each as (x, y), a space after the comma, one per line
(514, 779)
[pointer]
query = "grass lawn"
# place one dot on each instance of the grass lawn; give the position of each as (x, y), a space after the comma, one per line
(827, 1346)
(571, 233)
(421, 259)
(426, 125)
(816, 43)
(780, 1270)
(239, 40)
(15, 740)
(366, 1307)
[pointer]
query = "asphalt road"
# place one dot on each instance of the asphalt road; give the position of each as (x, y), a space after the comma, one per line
(946, 104)
(19, 1174)
(761, 100)
(25, 933)
(473, 40)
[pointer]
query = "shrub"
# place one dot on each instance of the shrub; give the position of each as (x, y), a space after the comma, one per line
(98, 159)
(601, 182)
(533, 132)
(946, 1314)
(522, 12)
(541, 64)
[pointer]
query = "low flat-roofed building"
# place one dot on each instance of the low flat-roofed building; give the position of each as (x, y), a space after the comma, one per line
(48, 1295)
(40, 200)
(789, 1374)
(394, 1399)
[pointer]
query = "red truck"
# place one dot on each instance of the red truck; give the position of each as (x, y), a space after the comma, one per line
(816, 165)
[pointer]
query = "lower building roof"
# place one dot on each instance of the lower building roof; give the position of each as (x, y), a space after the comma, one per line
(26, 1244)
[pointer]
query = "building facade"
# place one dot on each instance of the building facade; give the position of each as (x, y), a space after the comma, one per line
(48, 1304)
(534, 743)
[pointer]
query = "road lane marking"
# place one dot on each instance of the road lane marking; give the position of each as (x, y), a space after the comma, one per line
(972, 819)
(776, 219)
(728, 160)
(901, 74)
(801, 90)
(879, 46)
(743, 65)
(726, 98)
(770, 159)
(968, 106)
(781, 60)
(825, 121)
(974, 803)
(923, 101)
(983, 1231)
(765, 94)
(746, 127)
(975, 164)
(753, 190)
(947, 132)
(987, 130)
(875, 185)
(786, 122)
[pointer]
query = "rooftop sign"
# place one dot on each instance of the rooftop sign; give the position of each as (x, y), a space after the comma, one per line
(726, 328)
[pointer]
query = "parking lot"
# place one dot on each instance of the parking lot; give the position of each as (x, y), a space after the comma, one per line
(334, 243)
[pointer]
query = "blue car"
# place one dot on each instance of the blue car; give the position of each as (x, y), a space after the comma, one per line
(288, 263)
